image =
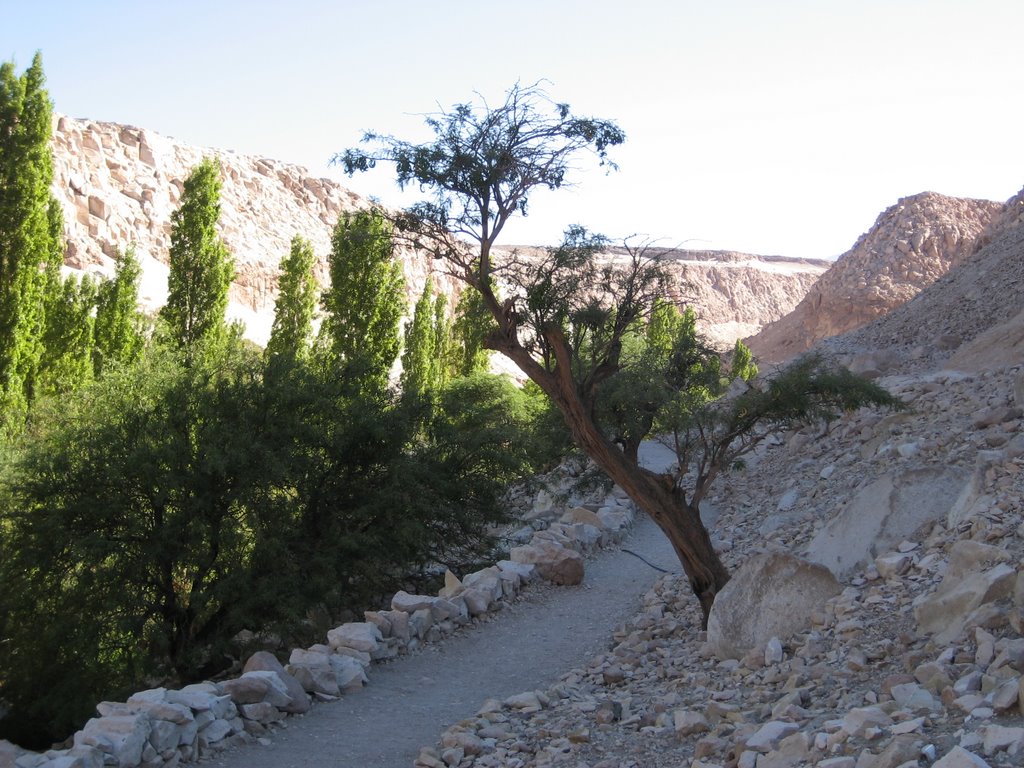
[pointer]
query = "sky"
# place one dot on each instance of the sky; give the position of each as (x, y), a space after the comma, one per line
(776, 128)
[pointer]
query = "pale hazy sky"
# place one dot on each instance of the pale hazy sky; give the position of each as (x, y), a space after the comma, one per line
(780, 127)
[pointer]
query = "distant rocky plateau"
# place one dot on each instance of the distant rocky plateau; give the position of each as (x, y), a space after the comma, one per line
(119, 185)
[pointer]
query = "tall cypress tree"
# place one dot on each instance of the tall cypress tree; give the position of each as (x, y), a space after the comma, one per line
(29, 219)
(295, 306)
(201, 268)
(118, 334)
(365, 300)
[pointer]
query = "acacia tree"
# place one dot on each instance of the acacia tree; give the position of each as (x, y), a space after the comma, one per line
(565, 321)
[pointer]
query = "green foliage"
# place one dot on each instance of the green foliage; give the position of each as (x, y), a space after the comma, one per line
(473, 322)
(136, 514)
(29, 222)
(66, 363)
(742, 365)
(485, 161)
(201, 268)
(119, 327)
(296, 304)
(420, 352)
(365, 301)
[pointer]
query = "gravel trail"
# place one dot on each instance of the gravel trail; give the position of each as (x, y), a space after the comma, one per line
(525, 647)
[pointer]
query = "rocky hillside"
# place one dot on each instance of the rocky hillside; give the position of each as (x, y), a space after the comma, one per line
(119, 184)
(970, 319)
(910, 246)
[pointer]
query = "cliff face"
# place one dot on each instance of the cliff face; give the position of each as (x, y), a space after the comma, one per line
(911, 245)
(119, 185)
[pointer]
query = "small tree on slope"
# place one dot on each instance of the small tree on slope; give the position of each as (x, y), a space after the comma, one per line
(568, 315)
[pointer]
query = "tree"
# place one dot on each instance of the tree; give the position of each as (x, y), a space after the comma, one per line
(201, 268)
(296, 304)
(365, 301)
(66, 363)
(29, 222)
(470, 329)
(118, 332)
(567, 317)
(419, 352)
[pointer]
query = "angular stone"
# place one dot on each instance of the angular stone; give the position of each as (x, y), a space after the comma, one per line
(771, 595)
(361, 636)
(403, 601)
(958, 757)
(582, 515)
(263, 661)
(768, 736)
(860, 719)
(688, 722)
(555, 563)
(476, 601)
(997, 738)
(124, 737)
(945, 611)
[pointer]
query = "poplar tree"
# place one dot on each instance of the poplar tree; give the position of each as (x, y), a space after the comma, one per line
(118, 331)
(295, 306)
(364, 303)
(420, 350)
(29, 219)
(201, 268)
(65, 363)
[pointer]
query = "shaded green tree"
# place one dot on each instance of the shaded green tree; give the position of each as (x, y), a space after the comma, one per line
(472, 324)
(365, 301)
(569, 314)
(201, 268)
(135, 520)
(292, 330)
(119, 329)
(419, 353)
(29, 222)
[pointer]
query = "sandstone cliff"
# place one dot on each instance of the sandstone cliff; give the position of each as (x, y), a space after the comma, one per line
(911, 245)
(119, 184)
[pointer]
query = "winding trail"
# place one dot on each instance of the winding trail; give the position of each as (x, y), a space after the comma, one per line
(411, 700)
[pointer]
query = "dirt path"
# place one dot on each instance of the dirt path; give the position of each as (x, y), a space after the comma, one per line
(409, 702)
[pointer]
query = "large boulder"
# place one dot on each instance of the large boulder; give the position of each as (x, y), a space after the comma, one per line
(883, 514)
(771, 595)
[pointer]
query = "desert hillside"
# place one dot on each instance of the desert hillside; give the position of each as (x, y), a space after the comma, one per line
(119, 184)
(911, 245)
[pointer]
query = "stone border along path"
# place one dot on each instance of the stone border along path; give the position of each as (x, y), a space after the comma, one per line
(410, 700)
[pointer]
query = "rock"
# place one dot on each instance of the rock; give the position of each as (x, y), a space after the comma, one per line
(361, 636)
(477, 602)
(245, 690)
(582, 515)
(768, 736)
(858, 720)
(555, 563)
(403, 601)
(883, 514)
(944, 612)
(999, 738)
(687, 722)
(123, 737)
(958, 757)
(264, 661)
(771, 595)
